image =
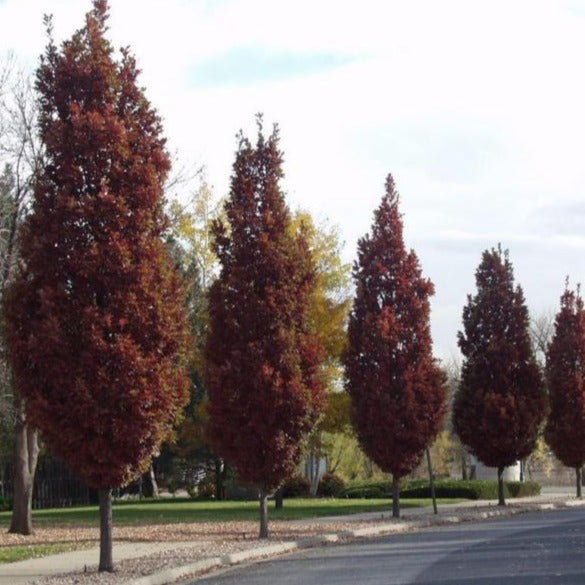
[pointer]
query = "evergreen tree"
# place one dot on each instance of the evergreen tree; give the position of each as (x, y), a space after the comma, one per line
(565, 374)
(262, 358)
(396, 387)
(96, 324)
(500, 402)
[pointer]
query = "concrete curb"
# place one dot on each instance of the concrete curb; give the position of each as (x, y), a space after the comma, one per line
(174, 574)
(170, 576)
(257, 553)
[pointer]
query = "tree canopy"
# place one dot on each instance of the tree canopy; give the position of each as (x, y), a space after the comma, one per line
(262, 358)
(565, 376)
(500, 402)
(96, 323)
(396, 387)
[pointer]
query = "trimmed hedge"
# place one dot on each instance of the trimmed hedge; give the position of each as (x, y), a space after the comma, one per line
(468, 490)
(518, 489)
(459, 489)
(363, 492)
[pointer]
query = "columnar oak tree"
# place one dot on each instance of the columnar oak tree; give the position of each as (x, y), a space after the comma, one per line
(565, 374)
(396, 387)
(95, 317)
(500, 402)
(262, 359)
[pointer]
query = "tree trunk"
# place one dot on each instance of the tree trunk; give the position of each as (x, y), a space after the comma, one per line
(279, 499)
(315, 480)
(395, 496)
(106, 558)
(263, 514)
(25, 465)
(312, 468)
(501, 498)
(578, 481)
(432, 481)
(219, 477)
(153, 483)
(463, 469)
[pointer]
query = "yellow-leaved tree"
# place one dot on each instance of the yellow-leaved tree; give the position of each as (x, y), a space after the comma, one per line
(191, 456)
(329, 310)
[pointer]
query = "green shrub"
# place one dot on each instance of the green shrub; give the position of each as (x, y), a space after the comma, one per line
(475, 490)
(519, 489)
(470, 489)
(5, 504)
(376, 486)
(444, 488)
(369, 492)
(204, 490)
(331, 485)
(297, 486)
(234, 490)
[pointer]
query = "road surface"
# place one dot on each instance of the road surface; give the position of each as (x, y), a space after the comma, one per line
(529, 549)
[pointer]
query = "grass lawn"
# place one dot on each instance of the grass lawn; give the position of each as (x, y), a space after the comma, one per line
(180, 510)
(11, 554)
(148, 512)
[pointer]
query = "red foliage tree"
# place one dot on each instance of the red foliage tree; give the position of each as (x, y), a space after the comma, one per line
(95, 318)
(500, 402)
(262, 359)
(565, 375)
(396, 388)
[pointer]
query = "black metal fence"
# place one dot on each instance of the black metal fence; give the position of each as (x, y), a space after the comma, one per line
(56, 486)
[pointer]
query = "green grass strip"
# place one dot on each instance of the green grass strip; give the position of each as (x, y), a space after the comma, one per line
(12, 554)
(183, 511)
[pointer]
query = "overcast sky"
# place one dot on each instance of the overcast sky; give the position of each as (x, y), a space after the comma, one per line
(476, 107)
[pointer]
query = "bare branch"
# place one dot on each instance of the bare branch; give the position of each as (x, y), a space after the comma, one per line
(21, 158)
(542, 327)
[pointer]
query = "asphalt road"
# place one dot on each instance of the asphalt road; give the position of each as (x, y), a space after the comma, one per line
(531, 549)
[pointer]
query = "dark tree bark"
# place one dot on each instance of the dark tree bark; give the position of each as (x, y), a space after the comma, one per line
(432, 481)
(263, 514)
(501, 491)
(395, 496)
(106, 556)
(220, 471)
(578, 482)
(279, 499)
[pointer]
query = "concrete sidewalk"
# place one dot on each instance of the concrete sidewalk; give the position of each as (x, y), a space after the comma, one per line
(82, 561)
(79, 561)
